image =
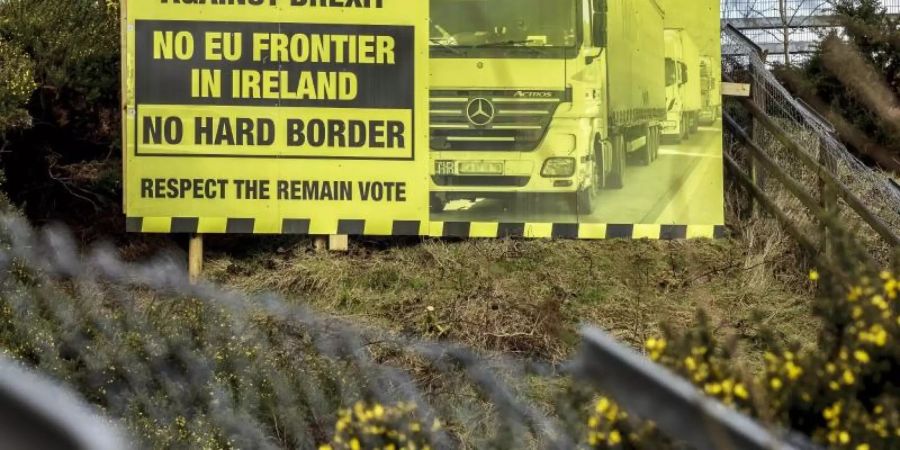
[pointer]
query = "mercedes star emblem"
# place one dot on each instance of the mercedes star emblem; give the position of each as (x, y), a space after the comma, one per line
(480, 112)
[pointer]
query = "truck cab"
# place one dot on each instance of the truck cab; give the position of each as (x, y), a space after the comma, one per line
(520, 100)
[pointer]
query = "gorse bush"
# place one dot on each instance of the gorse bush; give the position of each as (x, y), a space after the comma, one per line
(16, 85)
(391, 427)
(59, 109)
(843, 394)
(74, 45)
(183, 366)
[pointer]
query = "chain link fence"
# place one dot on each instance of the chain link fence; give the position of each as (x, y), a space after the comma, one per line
(800, 23)
(181, 365)
(743, 62)
(797, 9)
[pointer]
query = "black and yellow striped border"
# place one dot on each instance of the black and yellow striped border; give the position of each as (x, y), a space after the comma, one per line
(204, 225)
(575, 230)
(356, 227)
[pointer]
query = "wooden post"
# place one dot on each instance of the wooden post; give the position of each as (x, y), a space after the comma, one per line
(195, 258)
(339, 243)
(744, 90)
(758, 96)
(320, 243)
(735, 89)
(827, 196)
(333, 242)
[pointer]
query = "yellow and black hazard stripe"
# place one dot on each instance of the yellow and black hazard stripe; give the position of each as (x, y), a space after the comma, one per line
(357, 227)
(215, 225)
(575, 230)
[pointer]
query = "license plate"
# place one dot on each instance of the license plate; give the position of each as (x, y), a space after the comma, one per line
(444, 168)
(481, 168)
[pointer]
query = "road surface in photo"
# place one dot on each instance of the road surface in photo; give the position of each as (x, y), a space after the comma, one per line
(684, 186)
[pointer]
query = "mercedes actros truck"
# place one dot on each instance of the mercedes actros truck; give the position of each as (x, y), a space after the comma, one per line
(543, 97)
(682, 86)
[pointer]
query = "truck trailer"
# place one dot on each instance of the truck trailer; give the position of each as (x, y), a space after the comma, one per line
(543, 97)
(683, 94)
(710, 91)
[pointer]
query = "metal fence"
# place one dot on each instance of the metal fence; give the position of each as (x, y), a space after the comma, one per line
(82, 310)
(38, 414)
(175, 366)
(815, 137)
(799, 10)
(800, 23)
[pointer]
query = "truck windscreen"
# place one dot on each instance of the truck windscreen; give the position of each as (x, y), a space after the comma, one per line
(529, 25)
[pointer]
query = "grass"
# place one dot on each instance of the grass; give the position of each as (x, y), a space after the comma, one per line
(529, 297)
(522, 298)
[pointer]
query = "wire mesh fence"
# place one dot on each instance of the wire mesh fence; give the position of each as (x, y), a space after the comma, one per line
(182, 365)
(743, 62)
(198, 364)
(739, 9)
(787, 27)
(203, 367)
(38, 414)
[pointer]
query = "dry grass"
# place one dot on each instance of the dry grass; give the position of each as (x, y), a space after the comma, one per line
(529, 297)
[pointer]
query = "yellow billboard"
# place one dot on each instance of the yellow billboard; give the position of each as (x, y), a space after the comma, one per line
(276, 116)
(464, 118)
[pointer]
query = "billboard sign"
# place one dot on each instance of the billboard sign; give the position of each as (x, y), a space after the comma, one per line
(287, 116)
(464, 118)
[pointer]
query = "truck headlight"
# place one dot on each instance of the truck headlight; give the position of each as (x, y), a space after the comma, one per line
(558, 168)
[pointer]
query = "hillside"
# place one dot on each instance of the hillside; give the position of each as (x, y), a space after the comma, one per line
(530, 297)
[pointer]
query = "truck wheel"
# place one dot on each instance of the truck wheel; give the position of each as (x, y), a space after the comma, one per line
(671, 139)
(616, 178)
(437, 203)
(645, 154)
(656, 134)
(586, 199)
(684, 128)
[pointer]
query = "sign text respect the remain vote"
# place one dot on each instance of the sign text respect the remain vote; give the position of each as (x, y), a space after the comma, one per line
(276, 111)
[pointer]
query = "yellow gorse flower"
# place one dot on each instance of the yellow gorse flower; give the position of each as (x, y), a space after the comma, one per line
(394, 426)
(848, 377)
(655, 347)
(793, 371)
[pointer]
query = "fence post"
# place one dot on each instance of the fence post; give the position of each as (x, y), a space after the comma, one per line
(195, 258)
(757, 96)
(827, 196)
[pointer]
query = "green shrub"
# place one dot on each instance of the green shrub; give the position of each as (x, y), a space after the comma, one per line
(16, 85)
(844, 395)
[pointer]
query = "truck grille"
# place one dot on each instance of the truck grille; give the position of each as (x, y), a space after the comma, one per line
(492, 120)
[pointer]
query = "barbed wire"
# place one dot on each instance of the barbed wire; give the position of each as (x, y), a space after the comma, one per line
(114, 331)
(182, 370)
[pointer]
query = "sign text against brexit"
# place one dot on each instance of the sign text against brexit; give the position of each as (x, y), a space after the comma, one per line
(274, 90)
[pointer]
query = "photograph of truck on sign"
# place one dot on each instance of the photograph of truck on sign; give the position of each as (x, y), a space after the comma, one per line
(575, 118)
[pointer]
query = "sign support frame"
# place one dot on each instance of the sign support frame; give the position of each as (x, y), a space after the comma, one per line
(195, 258)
